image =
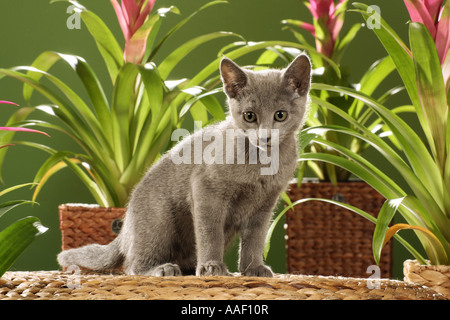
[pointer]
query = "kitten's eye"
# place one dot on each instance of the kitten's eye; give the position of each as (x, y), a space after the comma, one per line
(280, 115)
(249, 116)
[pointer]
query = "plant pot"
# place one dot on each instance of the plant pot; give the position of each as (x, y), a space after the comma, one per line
(82, 224)
(434, 277)
(324, 239)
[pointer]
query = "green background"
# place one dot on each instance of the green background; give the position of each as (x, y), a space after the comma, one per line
(29, 27)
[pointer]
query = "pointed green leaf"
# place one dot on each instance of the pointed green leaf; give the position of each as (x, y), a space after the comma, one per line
(122, 109)
(358, 211)
(170, 62)
(402, 57)
(156, 17)
(384, 218)
(179, 25)
(426, 180)
(6, 137)
(343, 42)
(106, 42)
(9, 205)
(431, 88)
(7, 190)
(16, 238)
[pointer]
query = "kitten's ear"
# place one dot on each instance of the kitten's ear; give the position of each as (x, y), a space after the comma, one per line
(233, 77)
(298, 75)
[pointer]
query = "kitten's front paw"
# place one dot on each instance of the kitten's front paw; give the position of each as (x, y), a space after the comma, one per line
(167, 269)
(260, 271)
(212, 268)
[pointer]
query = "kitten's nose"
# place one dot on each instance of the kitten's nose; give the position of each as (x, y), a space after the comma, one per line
(265, 140)
(264, 136)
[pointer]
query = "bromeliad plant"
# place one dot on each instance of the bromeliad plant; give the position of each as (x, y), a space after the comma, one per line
(18, 236)
(123, 135)
(423, 162)
(330, 44)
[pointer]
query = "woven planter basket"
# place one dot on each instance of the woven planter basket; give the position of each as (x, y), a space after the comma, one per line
(324, 239)
(86, 224)
(434, 277)
(55, 285)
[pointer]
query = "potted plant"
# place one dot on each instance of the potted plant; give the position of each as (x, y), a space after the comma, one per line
(122, 136)
(421, 194)
(318, 233)
(15, 238)
(428, 58)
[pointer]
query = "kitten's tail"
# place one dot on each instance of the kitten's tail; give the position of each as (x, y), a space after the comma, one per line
(93, 256)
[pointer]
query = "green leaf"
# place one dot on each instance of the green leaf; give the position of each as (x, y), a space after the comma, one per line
(43, 176)
(149, 109)
(96, 94)
(179, 25)
(267, 58)
(16, 238)
(371, 80)
(156, 18)
(384, 218)
(208, 102)
(358, 211)
(90, 81)
(9, 205)
(170, 62)
(416, 214)
(122, 110)
(81, 120)
(100, 195)
(43, 62)
(376, 182)
(212, 105)
(431, 89)
(293, 25)
(343, 42)
(425, 180)
(7, 137)
(106, 42)
(384, 179)
(156, 117)
(61, 109)
(108, 47)
(402, 58)
(7, 190)
(49, 163)
(248, 48)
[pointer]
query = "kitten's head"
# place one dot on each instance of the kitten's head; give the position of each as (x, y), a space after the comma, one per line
(268, 99)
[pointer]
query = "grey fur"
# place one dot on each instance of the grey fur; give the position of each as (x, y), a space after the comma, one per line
(181, 217)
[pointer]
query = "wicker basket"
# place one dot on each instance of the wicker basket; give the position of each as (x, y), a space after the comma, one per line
(55, 285)
(86, 224)
(435, 277)
(324, 239)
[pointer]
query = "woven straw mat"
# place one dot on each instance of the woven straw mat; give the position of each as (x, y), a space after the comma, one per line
(49, 285)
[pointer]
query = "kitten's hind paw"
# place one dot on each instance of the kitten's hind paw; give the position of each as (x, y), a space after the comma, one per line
(260, 271)
(212, 268)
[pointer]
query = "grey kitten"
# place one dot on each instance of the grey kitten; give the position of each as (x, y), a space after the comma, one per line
(212, 185)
